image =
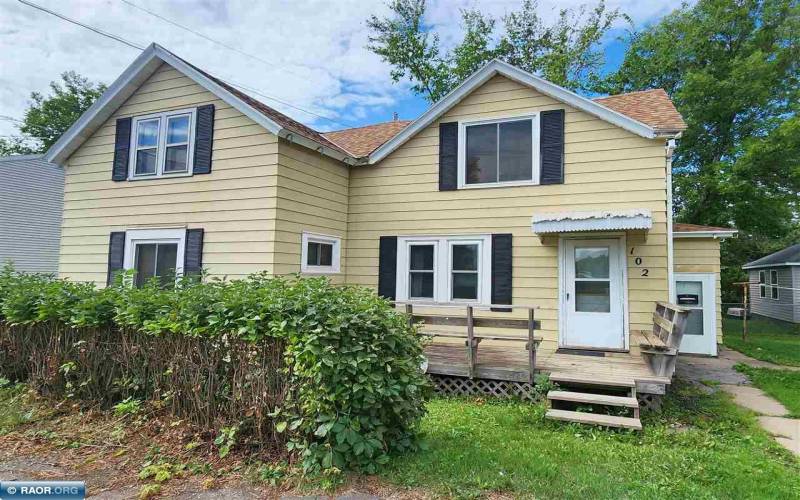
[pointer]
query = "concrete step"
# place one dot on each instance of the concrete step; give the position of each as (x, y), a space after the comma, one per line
(595, 399)
(595, 419)
(590, 380)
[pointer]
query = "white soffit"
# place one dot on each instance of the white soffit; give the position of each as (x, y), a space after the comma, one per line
(599, 220)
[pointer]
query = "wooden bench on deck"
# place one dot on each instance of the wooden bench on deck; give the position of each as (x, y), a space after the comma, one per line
(472, 339)
(660, 346)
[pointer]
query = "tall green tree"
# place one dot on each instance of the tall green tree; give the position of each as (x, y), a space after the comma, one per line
(731, 67)
(565, 52)
(49, 116)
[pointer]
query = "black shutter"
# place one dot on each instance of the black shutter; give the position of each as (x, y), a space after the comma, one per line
(551, 147)
(501, 270)
(193, 252)
(122, 149)
(448, 156)
(387, 267)
(116, 255)
(203, 139)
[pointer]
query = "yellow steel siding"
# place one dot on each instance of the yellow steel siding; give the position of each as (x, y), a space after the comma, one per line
(605, 168)
(700, 255)
(235, 204)
(313, 197)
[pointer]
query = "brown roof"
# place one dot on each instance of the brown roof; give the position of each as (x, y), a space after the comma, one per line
(361, 141)
(271, 113)
(680, 227)
(651, 107)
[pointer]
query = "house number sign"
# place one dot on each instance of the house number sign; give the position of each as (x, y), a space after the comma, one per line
(639, 261)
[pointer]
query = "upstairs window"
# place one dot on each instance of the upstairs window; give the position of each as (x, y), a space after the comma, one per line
(162, 144)
(320, 254)
(499, 152)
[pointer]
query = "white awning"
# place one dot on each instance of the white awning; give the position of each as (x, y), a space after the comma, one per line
(600, 220)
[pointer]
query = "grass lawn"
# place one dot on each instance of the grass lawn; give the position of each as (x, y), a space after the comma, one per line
(767, 339)
(701, 446)
(783, 385)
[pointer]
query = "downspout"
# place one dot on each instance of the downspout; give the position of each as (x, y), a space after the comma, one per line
(670, 148)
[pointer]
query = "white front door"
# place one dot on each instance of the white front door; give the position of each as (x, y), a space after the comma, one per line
(697, 293)
(592, 294)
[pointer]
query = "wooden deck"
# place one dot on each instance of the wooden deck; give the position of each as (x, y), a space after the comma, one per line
(511, 363)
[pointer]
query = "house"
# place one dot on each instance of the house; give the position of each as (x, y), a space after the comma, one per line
(31, 195)
(509, 191)
(774, 283)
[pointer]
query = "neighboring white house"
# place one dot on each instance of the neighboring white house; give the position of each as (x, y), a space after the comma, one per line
(774, 284)
(31, 203)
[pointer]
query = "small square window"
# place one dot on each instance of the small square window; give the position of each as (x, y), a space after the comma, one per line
(320, 254)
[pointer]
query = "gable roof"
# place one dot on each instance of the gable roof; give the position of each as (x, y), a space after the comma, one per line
(651, 107)
(647, 113)
(497, 67)
(682, 230)
(361, 141)
(144, 66)
(789, 256)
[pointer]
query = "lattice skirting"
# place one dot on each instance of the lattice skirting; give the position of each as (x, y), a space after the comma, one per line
(447, 385)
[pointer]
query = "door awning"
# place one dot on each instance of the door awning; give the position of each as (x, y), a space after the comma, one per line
(600, 220)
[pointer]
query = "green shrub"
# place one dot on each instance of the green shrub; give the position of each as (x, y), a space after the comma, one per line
(330, 371)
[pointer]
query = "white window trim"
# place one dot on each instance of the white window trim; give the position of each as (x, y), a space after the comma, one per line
(762, 284)
(335, 266)
(462, 151)
(135, 237)
(442, 269)
(161, 151)
(774, 285)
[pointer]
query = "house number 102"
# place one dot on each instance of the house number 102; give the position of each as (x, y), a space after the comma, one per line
(638, 261)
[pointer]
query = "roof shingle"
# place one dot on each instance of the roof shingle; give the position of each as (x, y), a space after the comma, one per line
(651, 107)
(361, 141)
(787, 256)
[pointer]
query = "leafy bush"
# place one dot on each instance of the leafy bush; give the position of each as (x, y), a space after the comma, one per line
(332, 372)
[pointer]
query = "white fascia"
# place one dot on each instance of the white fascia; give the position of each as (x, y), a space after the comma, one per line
(135, 75)
(497, 67)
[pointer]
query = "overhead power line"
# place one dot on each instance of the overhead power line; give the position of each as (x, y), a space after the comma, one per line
(91, 28)
(135, 46)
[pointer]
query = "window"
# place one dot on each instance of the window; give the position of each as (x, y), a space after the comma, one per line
(421, 271)
(464, 271)
(773, 280)
(320, 254)
(762, 285)
(155, 253)
(444, 269)
(499, 152)
(690, 297)
(592, 280)
(162, 144)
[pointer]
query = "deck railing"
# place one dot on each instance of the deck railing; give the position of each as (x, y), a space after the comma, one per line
(472, 339)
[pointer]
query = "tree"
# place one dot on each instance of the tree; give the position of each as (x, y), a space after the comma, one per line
(47, 117)
(14, 145)
(731, 67)
(565, 52)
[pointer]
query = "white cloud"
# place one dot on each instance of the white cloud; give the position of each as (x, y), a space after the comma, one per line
(316, 50)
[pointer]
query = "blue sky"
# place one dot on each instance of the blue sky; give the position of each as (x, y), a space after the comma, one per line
(309, 55)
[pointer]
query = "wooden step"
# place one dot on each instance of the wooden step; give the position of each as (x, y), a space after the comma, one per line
(565, 378)
(595, 419)
(595, 399)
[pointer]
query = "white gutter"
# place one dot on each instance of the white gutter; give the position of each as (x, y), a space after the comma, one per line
(670, 149)
(705, 234)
